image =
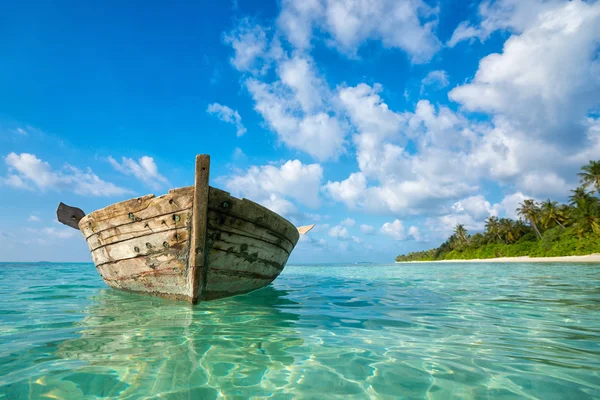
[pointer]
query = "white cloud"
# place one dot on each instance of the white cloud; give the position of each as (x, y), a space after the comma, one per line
(367, 229)
(405, 182)
(513, 15)
(271, 185)
(357, 240)
(436, 79)
(545, 80)
(509, 204)
(340, 232)
(476, 206)
(250, 45)
(228, 115)
(396, 231)
(295, 107)
(144, 169)
(349, 222)
(413, 232)
(472, 213)
(408, 25)
(26, 171)
(33, 218)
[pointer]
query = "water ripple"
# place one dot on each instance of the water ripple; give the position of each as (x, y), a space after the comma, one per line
(415, 331)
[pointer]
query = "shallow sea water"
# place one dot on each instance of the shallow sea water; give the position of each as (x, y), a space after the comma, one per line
(434, 331)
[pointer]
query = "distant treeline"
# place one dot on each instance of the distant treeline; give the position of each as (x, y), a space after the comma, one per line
(546, 229)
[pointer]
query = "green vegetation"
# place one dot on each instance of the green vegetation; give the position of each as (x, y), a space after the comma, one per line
(546, 229)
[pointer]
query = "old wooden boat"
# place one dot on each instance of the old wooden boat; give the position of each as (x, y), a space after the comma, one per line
(194, 243)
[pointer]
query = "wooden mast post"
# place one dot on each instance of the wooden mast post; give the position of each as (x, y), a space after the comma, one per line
(197, 264)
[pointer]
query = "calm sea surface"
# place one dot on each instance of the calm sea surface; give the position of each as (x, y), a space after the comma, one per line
(485, 331)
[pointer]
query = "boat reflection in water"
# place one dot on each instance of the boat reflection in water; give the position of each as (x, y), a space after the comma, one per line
(138, 346)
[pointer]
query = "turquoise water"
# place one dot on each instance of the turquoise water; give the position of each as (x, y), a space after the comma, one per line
(372, 331)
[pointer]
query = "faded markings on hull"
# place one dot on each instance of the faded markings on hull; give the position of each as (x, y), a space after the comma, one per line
(159, 273)
(135, 210)
(140, 229)
(249, 247)
(143, 246)
(252, 212)
(239, 226)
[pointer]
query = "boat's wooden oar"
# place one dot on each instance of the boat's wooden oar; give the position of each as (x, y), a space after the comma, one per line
(69, 216)
(303, 230)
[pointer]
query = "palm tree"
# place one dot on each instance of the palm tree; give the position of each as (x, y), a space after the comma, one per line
(578, 194)
(492, 227)
(565, 211)
(461, 233)
(586, 215)
(530, 211)
(590, 175)
(506, 228)
(550, 213)
(519, 229)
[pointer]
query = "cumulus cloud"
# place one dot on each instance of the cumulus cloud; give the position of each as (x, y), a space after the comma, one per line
(250, 44)
(396, 230)
(545, 80)
(228, 115)
(404, 182)
(145, 170)
(26, 171)
(403, 24)
(273, 185)
(539, 93)
(513, 15)
(367, 229)
(33, 218)
(476, 206)
(339, 232)
(436, 79)
(295, 107)
(349, 222)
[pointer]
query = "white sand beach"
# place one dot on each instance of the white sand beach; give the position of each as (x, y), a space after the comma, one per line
(590, 258)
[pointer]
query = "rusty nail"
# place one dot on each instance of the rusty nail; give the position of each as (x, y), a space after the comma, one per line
(176, 218)
(220, 220)
(170, 201)
(131, 216)
(148, 245)
(165, 244)
(146, 226)
(136, 249)
(177, 236)
(225, 204)
(198, 250)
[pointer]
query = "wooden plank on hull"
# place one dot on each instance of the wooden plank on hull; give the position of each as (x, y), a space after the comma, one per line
(178, 219)
(198, 252)
(231, 225)
(249, 247)
(135, 210)
(170, 242)
(250, 211)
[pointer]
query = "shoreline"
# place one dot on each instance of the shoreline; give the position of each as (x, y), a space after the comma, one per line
(590, 258)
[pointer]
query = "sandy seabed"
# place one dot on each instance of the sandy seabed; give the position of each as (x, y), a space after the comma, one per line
(590, 258)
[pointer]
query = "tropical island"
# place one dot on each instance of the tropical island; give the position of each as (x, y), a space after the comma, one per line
(546, 229)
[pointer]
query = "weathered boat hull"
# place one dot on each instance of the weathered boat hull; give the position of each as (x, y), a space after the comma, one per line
(187, 246)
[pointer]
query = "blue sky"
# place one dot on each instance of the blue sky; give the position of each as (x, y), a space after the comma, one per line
(385, 122)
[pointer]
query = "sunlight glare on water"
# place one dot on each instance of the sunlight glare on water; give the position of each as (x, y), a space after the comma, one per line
(432, 331)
